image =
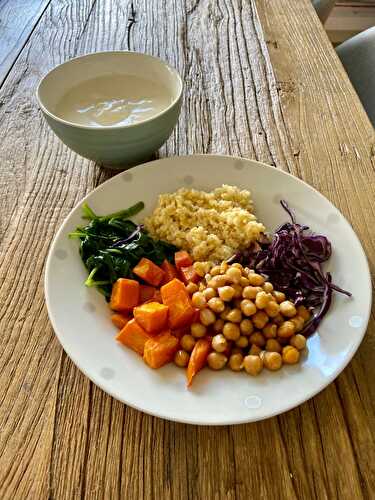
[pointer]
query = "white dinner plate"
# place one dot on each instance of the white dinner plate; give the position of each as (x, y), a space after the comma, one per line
(81, 317)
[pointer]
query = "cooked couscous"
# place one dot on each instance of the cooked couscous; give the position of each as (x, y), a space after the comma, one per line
(211, 225)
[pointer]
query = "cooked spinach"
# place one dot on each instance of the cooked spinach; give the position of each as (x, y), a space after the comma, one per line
(111, 245)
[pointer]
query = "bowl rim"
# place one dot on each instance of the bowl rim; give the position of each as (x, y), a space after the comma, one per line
(110, 127)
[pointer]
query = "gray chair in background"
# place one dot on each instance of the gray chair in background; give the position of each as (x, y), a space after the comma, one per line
(358, 58)
(323, 8)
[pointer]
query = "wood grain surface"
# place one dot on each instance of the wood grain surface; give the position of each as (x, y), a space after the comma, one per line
(261, 81)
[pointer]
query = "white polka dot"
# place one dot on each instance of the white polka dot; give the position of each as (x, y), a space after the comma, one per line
(188, 179)
(356, 321)
(253, 402)
(333, 218)
(127, 177)
(239, 165)
(107, 373)
(89, 307)
(61, 254)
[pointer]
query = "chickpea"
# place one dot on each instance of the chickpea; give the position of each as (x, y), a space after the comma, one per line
(255, 350)
(209, 293)
(207, 317)
(234, 274)
(304, 313)
(247, 271)
(198, 300)
(235, 362)
(260, 319)
(298, 341)
(272, 361)
(201, 287)
(216, 360)
(253, 364)
(200, 268)
(290, 355)
(286, 330)
(216, 304)
(287, 309)
(181, 358)
(208, 277)
(244, 281)
(226, 293)
(217, 281)
(242, 342)
(223, 267)
(272, 309)
(192, 288)
(267, 287)
(237, 291)
(219, 343)
(250, 292)
(279, 296)
(218, 325)
(198, 330)
(215, 271)
(246, 327)
(278, 320)
(235, 316)
(231, 331)
(225, 313)
(255, 279)
(187, 342)
(238, 265)
(270, 331)
(262, 300)
(248, 307)
(257, 339)
(298, 323)
(272, 345)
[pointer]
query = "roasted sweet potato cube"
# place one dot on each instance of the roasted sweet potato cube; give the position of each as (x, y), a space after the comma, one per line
(152, 316)
(125, 295)
(176, 297)
(149, 272)
(134, 336)
(160, 350)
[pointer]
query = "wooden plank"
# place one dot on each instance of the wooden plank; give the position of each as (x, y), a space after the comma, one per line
(281, 97)
(18, 18)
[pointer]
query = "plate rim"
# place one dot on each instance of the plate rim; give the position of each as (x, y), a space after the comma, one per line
(160, 414)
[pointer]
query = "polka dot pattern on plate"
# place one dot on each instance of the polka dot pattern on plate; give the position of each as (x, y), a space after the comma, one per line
(127, 177)
(61, 254)
(238, 165)
(333, 219)
(253, 402)
(188, 180)
(89, 307)
(107, 373)
(356, 321)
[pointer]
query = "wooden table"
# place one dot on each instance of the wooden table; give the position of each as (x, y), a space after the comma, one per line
(261, 81)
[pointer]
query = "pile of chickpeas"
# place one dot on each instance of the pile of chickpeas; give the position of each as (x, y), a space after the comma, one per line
(252, 326)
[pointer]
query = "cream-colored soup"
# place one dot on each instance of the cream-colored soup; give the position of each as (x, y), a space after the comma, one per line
(113, 100)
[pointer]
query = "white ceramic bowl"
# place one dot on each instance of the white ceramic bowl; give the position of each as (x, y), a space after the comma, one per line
(81, 317)
(116, 145)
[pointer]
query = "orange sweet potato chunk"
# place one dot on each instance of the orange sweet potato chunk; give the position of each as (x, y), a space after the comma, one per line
(175, 296)
(160, 350)
(170, 271)
(119, 320)
(149, 272)
(125, 295)
(133, 336)
(152, 316)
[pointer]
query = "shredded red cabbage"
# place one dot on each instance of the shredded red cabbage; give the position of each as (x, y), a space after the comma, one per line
(292, 260)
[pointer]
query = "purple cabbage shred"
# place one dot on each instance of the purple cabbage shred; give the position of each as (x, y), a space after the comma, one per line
(292, 261)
